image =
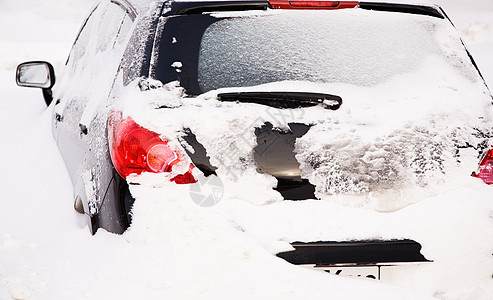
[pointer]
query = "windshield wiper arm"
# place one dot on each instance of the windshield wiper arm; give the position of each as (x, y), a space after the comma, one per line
(284, 99)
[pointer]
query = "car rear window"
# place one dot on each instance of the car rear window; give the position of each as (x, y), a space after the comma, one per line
(314, 46)
(355, 46)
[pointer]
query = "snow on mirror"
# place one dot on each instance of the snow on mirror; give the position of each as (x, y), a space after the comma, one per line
(34, 74)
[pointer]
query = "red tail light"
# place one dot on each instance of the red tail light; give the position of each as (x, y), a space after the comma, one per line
(485, 170)
(286, 4)
(135, 149)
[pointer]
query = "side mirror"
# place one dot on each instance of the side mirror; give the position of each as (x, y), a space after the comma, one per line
(37, 74)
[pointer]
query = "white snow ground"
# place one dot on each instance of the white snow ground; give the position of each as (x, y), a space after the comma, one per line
(184, 251)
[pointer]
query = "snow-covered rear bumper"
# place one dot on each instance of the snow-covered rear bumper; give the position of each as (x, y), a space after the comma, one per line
(342, 258)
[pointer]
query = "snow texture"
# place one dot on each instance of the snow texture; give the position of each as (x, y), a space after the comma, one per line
(176, 249)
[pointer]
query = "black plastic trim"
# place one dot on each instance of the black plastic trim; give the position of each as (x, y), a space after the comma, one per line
(183, 8)
(354, 252)
(403, 8)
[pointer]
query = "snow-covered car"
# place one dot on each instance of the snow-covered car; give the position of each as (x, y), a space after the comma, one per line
(360, 103)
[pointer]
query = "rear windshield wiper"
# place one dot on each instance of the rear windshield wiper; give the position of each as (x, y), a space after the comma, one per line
(284, 99)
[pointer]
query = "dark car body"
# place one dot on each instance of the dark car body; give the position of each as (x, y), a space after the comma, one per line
(145, 42)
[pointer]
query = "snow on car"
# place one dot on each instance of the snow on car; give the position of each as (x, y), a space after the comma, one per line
(292, 124)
